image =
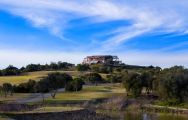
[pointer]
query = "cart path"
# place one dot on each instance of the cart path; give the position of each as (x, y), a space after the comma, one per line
(37, 97)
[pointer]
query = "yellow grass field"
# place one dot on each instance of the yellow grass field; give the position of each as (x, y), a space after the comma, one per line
(15, 80)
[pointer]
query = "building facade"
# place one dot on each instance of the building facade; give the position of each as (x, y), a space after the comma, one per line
(102, 59)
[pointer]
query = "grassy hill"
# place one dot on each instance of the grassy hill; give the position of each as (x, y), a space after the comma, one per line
(30, 75)
(15, 80)
(90, 93)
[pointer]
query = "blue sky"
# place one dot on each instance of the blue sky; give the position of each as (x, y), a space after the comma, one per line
(141, 32)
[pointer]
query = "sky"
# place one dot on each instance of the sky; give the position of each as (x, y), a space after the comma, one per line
(140, 32)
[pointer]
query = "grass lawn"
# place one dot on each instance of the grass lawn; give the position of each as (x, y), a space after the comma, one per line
(89, 93)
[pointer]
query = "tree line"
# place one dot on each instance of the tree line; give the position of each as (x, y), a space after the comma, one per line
(98, 68)
(51, 84)
(170, 84)
(108, 69)
(11, 70)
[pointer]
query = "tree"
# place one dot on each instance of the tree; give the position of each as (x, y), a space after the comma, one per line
(31, 85)
(56, 81)
(82, 67)
(53, 66)
(173, 84)
(94, 78)
(64, 65)
(100, 68)
(7, 88)
(114, 78)
(75, 85)
(50, 83)
(106, 69)
(10, 70)
(22, 69)
(42, 88)
(147, 81)
(77, 82)
(1, 90)
(28, 87)
(32, 67)
(1, 73)
(133, 84)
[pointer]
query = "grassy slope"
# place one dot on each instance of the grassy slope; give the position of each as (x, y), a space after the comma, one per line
(15, 80)
(89, 93)
(30, 75)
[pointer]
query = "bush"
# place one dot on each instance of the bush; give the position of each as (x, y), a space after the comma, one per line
(75, 85)
(28, 87)
(114, 78)
(10, 70)
(51, 83)
(133, 84)
(98, 68)
(83, 67)
(93, 78)
(7, 88)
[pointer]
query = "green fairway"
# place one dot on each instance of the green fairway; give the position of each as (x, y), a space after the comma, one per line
(89, 93)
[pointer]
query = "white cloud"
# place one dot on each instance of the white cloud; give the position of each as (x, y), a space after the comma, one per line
(123, 35)
(145, 16)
